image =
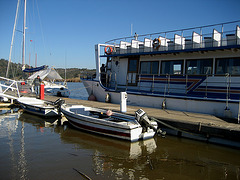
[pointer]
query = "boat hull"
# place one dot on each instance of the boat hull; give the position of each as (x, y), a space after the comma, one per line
(37, 107)
(216, 107)
(56, 89)
(60, 92)
(125, 131)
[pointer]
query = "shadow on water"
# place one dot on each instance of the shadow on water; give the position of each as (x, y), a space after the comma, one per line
(35, 148)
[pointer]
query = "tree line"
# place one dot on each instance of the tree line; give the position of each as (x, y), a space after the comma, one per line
(15, 72)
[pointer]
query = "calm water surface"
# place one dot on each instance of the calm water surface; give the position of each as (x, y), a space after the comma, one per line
(33, 148)
(77, 91)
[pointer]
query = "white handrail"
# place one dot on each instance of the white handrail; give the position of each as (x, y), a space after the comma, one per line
(7, 87)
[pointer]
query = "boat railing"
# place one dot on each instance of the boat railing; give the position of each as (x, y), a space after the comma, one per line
(9, 88)
(211, 36)
(187, 85)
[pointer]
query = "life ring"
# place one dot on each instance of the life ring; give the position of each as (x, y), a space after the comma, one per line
(108, 50)
(156, 43)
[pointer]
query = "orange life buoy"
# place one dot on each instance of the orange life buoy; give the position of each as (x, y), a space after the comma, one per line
(108, 50)
(156, 43)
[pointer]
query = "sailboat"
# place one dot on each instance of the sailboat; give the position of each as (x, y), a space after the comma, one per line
(50, 87)
(24, 69)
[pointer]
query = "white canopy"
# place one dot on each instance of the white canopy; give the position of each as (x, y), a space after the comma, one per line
(50, 73)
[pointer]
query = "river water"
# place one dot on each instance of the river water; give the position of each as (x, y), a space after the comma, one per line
(35, 148)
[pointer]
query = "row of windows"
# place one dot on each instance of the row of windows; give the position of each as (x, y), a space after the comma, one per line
(193, 67)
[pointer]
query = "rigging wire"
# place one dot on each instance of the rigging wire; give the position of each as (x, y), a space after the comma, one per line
(41, 28)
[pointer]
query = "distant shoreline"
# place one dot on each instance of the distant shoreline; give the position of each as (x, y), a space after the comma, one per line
(69, 80)
(74, 80)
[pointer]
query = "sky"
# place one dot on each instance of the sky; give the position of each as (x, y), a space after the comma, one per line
(63, 33)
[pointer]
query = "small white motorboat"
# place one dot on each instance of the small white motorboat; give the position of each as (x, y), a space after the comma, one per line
(106, 122)
(60, 90)
(40, 107)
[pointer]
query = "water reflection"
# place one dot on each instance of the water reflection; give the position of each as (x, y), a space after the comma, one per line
(37, 121)
(30, 145)
(22, 163)
(108, 153)
(9, 125)
(156, 158)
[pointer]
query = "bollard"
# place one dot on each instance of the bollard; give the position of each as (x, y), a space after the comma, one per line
(42, 91)
(123, 101)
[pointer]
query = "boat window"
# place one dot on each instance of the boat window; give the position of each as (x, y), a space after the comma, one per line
(171, 67)
(228, 65)
(200, 66)
(132, 65)
(149, 67)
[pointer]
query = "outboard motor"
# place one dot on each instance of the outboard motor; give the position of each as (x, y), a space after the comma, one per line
(58, 104)
(144, 121)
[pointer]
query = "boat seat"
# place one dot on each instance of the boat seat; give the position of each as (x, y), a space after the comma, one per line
(234, 39)
(214, 41)
(123, 47)
(147, 45)
(164, 43)
(177, 44)
(195, 42)
(135, 45)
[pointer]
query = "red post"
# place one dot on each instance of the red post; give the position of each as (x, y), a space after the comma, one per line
(42, 91)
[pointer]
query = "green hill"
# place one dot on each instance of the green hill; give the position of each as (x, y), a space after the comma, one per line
(72, 74)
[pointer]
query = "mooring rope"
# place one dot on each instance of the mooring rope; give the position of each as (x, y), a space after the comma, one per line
(174, 128)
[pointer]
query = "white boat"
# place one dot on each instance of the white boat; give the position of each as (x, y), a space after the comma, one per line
(60, 90)
(109, 123)
(192, 70)
(50, 87)
(40, 107)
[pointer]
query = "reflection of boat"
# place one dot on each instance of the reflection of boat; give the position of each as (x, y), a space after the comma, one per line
(110, 123)
(107, 146)
(8, 123)
(107, 154)
(40, 107)
(37, 120)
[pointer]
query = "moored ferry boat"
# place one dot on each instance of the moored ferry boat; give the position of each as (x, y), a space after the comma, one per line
(194, 70)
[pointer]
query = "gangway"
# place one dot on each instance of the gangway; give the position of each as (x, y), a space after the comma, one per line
(9, 88)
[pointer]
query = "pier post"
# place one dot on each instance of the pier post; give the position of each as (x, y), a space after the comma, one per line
(42, 91)
(123, 101)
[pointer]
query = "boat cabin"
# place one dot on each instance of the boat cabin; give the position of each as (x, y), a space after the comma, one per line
(194, 62)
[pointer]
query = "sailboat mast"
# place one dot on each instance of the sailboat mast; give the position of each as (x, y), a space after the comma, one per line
(13, 35)
(24, 28)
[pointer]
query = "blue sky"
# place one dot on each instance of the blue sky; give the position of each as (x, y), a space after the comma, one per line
(67, 30)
